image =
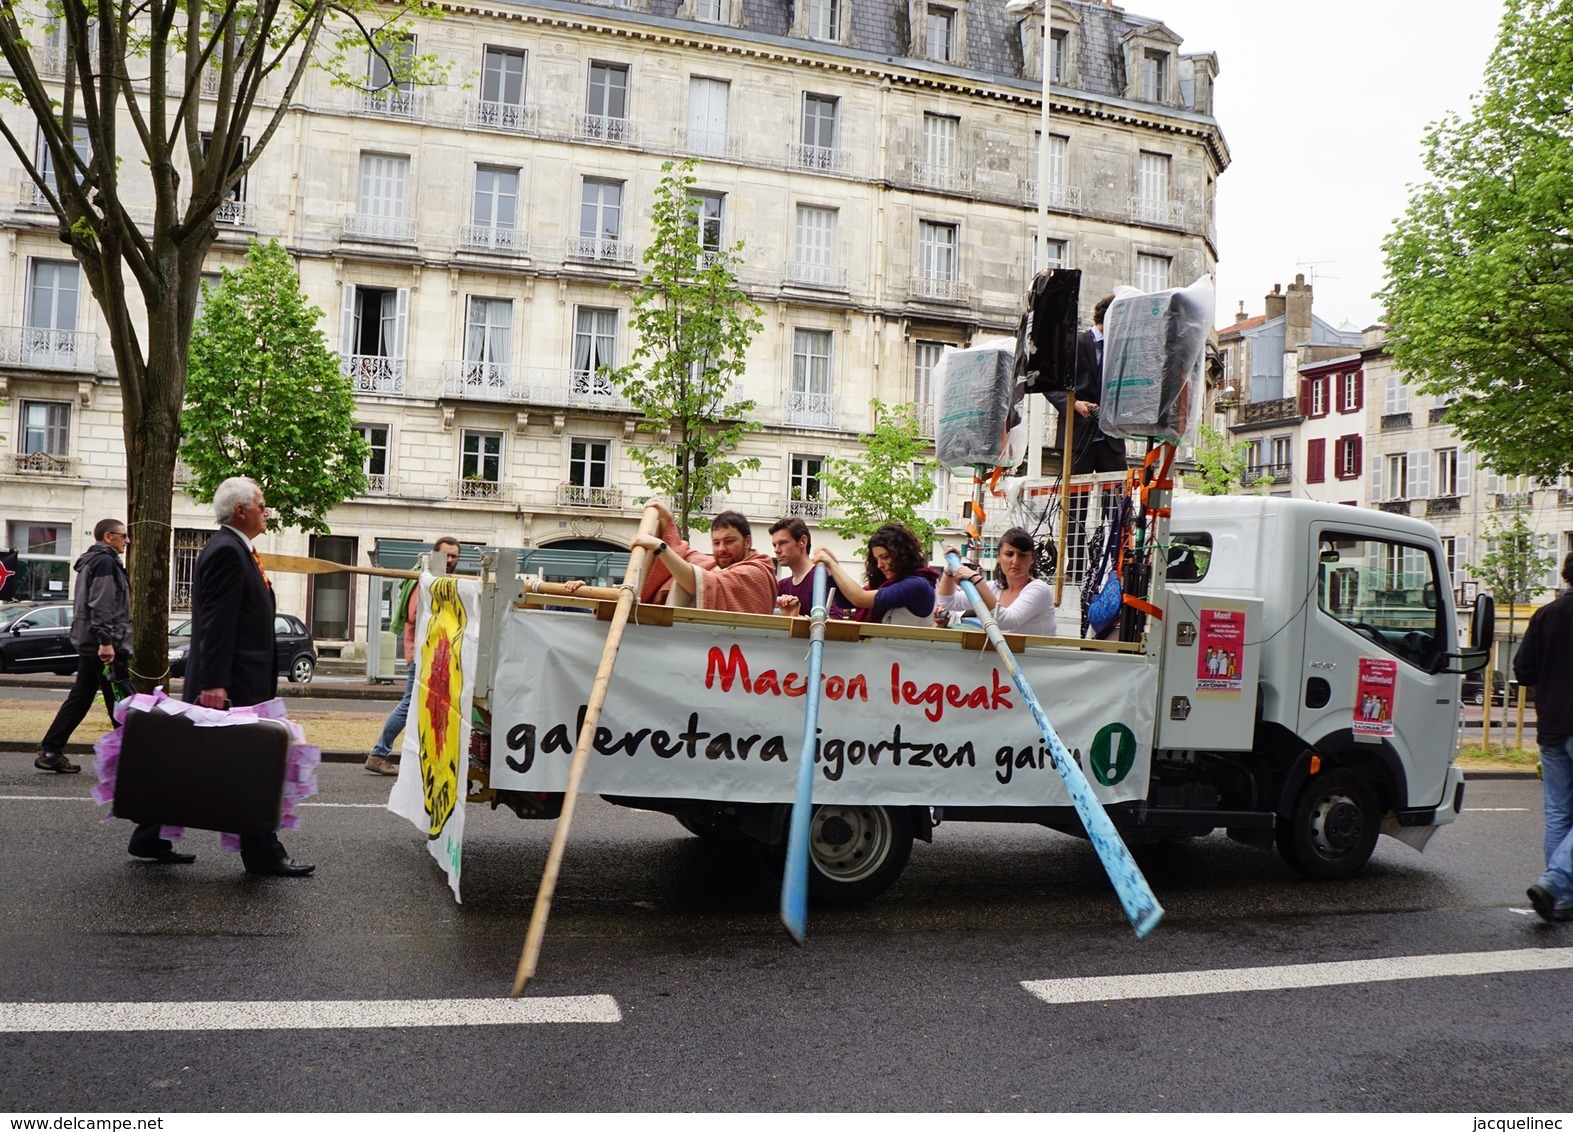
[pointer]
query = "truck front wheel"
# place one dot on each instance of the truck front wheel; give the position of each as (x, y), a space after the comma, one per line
(1333, 828)
(854, 852)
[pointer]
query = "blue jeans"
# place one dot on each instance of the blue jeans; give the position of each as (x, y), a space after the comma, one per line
(396, 718)
(1556, 767)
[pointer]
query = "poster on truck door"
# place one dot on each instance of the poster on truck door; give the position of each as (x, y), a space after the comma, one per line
(714, 712)
(1375, 692)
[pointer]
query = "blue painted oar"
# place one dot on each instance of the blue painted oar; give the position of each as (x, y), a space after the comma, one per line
(1140, 904)
(794, 884)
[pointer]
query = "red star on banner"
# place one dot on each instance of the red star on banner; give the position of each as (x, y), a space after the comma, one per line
(5, 575)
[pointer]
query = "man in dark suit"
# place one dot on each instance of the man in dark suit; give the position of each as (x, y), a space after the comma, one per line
(1092, 451)
(231, 660)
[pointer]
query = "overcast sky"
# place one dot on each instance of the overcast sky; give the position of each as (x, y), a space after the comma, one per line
(1324, 106)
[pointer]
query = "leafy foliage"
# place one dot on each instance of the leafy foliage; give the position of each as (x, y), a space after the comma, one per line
(1480, 269)
(693, 325)
(1512, 568)
(1220, 465)
(265, 398)
(889, 483)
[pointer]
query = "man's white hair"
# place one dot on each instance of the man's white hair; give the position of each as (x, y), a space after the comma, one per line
(232, 493)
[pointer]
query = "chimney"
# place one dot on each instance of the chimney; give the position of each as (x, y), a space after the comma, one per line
(1240, 315)
(1275, 301)
(1297, 312)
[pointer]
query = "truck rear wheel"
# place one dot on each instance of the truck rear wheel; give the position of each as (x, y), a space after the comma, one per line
(854, 852)
(1333, 828)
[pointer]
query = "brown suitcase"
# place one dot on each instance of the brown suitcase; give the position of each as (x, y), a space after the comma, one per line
(222, 778)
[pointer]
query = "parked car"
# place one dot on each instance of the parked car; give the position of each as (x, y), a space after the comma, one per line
(294, 650)
(1474, 691)
(36, 637)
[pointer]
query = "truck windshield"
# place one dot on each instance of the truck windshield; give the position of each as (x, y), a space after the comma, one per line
(1384, 590)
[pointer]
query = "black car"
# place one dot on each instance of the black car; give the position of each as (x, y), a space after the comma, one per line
(36, 637)
(1474, 691)
(294, 649)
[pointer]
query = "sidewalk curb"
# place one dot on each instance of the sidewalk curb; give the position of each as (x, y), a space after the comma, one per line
(85, 750)
(391, 693)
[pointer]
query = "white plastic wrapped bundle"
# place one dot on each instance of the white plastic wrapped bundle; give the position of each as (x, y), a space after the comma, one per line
(1155, 345)
(975, 417)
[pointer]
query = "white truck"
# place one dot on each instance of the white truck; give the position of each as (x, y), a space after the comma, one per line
(1301, 689)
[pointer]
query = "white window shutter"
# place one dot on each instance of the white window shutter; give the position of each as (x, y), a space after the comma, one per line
(1460, 560)
(401, 332)
(1420, 474)
(1376, 476)
(1493, 483)
(1463, 472)
(347, 322)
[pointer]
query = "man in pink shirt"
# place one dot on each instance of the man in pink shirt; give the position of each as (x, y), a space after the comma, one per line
(382, 760)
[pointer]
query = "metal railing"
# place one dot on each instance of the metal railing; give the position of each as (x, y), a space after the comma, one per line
(821, 157)
(481, 381)
(1394, 506)
(237, 212)
(940, 290)
(947, 178)
(817, 275)
(812, 410)
(393, 103)
(374, 373)
(805, 508)
(479, 237)
(379, 483)
(44, 348)
(383, 229)
(707, 143)
(599, 127)
(1064, 197)
(39, 464)
(480, 489)
(29, 195)
(1169, 213)
(1392, 421)
(599, 249)
(925, 415)
(1278, 473)
(1443, 505)
(505, 116)
(578, 495)
(1268, 412)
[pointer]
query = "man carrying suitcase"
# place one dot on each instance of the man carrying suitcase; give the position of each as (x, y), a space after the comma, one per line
(231, 661)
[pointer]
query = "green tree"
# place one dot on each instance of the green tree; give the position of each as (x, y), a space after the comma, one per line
(142, 114)
(1220, 465)
(265, 398)
(1479, 287)
(1513, 567)
(693, 325)
(890, 482)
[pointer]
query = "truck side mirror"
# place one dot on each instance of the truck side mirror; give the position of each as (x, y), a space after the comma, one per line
(1428, 595)
(1483, 622)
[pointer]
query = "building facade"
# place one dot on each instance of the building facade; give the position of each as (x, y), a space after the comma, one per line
(472, 244)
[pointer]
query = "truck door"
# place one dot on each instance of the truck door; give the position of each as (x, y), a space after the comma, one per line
(1379, 597)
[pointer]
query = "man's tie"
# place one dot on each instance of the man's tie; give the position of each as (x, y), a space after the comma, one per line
(257, 558)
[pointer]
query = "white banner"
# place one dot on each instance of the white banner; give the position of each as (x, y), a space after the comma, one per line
(435, 759)
(717, 713)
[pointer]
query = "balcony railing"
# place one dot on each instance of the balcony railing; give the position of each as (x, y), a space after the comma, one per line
(1392, 421)
(599, 127)
(504, 116)
(708, 143)
(925, 415)
(812, 410)
(237, 212)
(393, 103)
(1169, 213)
(1270, 412)
(600, 249)
(817, 275)
(805, 508)
(373, 373)
(43, 348)
(1438, 414)
(29, 195)
(1443, 505)
(480, 238)
(481, 381)
(1062, 197)
(1394, 506)
(821, 157)
(382, 229)
(481, 489)
(578, 495)
(39, 464)
(946, 178)
(379, 483)
(939, 290)
(1278, 473)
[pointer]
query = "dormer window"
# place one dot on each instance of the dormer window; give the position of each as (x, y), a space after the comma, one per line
(1059, 55)
(824, 19)
(941, 27)
(1155, 75)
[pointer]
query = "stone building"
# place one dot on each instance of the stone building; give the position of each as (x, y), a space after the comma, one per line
(468, 243)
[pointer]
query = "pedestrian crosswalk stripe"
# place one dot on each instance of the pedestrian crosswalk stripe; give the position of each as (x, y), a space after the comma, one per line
(86, 1017)
(1174, 984)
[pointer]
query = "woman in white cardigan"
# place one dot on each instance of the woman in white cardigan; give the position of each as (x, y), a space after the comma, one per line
(1021, 602)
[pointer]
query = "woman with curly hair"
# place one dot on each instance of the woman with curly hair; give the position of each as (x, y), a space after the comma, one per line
(1021, 602)
(900, 584)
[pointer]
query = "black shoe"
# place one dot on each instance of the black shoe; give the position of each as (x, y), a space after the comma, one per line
(1545, 905)
(165, 856)
(283, 867)
(56, 762)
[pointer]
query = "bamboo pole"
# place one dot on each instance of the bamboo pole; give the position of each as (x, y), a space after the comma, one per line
(294, 564)
(627, 598)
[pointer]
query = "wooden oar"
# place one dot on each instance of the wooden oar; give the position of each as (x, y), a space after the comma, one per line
(1135, 894)
(293, 564)
(794, 884)
(627, 597)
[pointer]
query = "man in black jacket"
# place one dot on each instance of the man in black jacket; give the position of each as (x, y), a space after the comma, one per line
(1545, 663)
(1092, 451)
(101, 632)
(231, 661)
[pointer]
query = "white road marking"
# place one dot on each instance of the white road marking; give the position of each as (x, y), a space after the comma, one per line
(44, 798)
(1496, 809)
(84, 1017)
(1176, 984)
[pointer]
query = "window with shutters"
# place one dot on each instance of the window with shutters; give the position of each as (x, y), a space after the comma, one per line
(1349, 391)
(814, 248)
(1155, 76)
(1152, 272)
(708, 101)
(1397, 394)
(46, 432)
(940, 166)
(1318, 398)
(382, 204)
(1397, 476)
(1445, 462)
(940, 43)
(1316, 460)
(1348, 457)
(925, 356)
(1152, 188)
(375, 332)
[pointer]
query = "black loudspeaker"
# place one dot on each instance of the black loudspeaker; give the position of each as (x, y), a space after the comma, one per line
(1046, 335)
(223, 778)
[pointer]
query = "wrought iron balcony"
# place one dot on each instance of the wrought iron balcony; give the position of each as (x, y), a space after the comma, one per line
(393, 103)
(483, 381)
(374, 373)
(1442, 505)
(1394, 506)
(29, 195)
(379, 483)
(707, 143)
(578, 495)
(1270, 412)
(1278, 473)
(43, 348)
(1391, 421)
(240, 213)
(805, 508)
(479, 489)
(1438, 414)
(481, 238)
(40, 464)
(1168, 213)
(504, 116)
(382, 229)
(925, 415)
(817, 275)
(600, 249)
(1063, 197)
(812, 410)
(824, 158)
(946, 178)
(599, 127)
(940, 290)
